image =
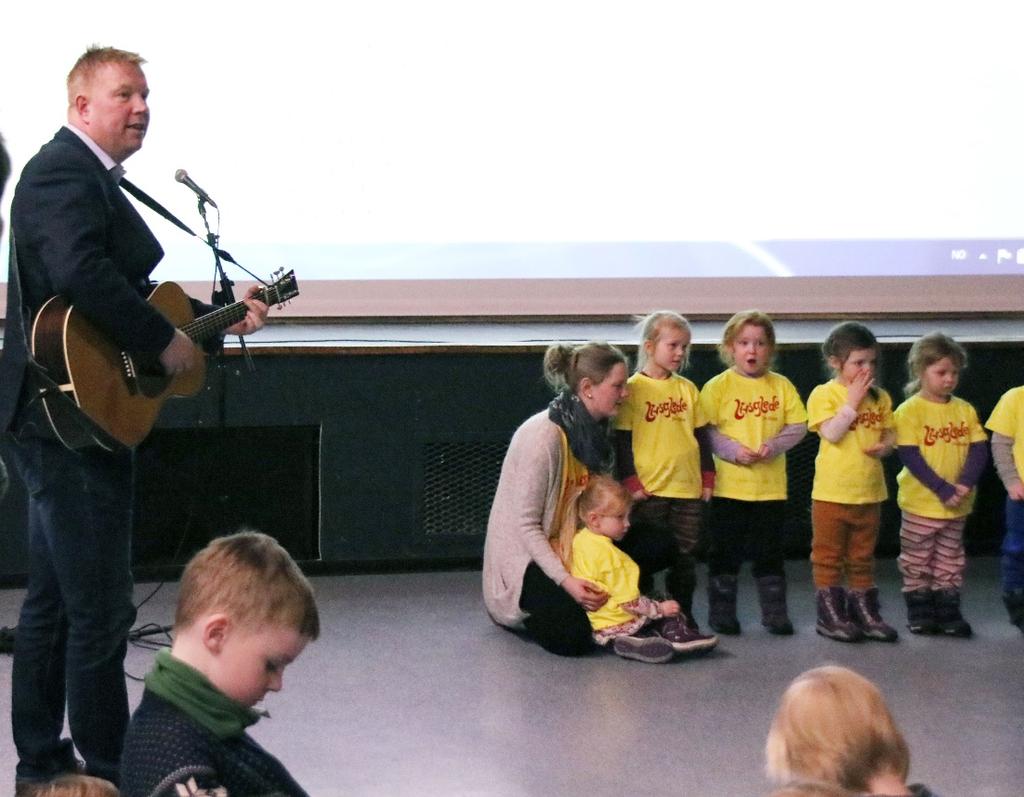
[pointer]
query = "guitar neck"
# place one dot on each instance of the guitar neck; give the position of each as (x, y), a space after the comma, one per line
(214, 323)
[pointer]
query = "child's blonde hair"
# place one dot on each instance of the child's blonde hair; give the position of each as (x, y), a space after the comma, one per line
(651, 327)
(598, 493)
(566, 365)
(78, 786)
(832, 725)
(735, 324)
(251, 578)
(806, 788)
(928, 350)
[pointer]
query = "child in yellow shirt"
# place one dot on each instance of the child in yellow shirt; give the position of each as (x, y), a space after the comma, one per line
(636, 626)
(944, 451)
(664, 456)
(755, 415)
(1007, 426)
(854, 419)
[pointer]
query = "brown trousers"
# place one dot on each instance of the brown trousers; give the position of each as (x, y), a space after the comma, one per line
(843, 544)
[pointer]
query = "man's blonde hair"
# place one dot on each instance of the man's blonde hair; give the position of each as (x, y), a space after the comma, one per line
(833, 726)
(251, 578)
(91, 60)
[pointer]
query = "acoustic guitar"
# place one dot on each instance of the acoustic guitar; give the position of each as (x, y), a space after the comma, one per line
(100, 395)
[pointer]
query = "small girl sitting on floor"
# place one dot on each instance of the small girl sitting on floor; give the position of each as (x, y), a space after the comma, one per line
(637, 627)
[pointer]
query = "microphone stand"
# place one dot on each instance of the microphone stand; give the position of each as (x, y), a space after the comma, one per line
(225, 295)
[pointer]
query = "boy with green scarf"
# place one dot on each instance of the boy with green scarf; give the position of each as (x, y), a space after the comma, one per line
(245, 612)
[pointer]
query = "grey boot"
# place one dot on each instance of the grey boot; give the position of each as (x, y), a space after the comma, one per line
(947, 613)
(771, 591)
(864, 608)
(920, 611)
(1014, 600)
(833, 621)
(722, 604)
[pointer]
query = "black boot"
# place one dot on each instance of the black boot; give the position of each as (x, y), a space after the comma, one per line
(864, 611)
(1014, 600)
(947, 613)
(833, 621)
(920, 611)
(771, 591)
(722, 604)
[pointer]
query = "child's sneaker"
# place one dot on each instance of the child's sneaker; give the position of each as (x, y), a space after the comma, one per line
(684, 636)
(648, 649)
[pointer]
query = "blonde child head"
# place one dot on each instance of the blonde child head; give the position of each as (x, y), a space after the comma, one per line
(927, 351)
(652, 327)
(78, 786)
(251, 578)
(601, 495)
(810, 789)
(734, 326)
(833, 726)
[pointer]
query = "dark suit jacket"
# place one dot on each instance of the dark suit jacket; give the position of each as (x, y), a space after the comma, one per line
(77, 235)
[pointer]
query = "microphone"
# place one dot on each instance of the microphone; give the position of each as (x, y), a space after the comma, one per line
(182, 177)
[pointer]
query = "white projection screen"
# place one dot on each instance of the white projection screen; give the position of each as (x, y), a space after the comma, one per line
(562, 158)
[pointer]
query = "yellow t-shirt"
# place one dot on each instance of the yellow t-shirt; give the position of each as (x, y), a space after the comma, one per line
(595, 558)
(1007, 419)
(843, 473)
(943, 433)
(751, 411)
(662, 414)
(575, 476)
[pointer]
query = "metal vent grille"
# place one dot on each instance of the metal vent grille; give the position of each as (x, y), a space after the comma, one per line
(459, 481)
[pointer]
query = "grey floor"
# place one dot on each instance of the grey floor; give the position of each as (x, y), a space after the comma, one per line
(411, 691)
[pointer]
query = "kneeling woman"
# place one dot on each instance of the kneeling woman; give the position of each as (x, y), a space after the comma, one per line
(525, 579)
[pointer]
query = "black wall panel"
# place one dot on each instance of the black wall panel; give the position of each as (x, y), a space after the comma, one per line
(391, 456)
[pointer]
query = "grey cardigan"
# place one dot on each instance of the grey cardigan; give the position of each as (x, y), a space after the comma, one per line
(522, 514)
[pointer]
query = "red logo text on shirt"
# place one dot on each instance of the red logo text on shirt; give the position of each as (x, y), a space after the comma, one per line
(667, 408)
(868, 419)
(759, 407)
(949, 433)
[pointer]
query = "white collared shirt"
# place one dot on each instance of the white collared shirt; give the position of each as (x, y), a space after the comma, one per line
(116, 169)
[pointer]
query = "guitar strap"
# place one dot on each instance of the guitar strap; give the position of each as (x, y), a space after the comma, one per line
(156, 207)
(152, 204)
(78, 431)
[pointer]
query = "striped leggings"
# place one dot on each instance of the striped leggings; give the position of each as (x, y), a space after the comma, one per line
(932, 552)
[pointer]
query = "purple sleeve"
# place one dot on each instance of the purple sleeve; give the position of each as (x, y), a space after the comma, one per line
(911, 457)
(722, 445)
(977, 459)
(789, 436)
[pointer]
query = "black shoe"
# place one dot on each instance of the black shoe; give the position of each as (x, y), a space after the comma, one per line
(722, 605)
(771, 591)
(947, 613)
(1014, 601)
(920, 612)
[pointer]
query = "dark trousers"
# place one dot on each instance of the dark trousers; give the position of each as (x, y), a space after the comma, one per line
(746, 530)
(667, 532)
(72, 630)
(652, 547)
(556, 621)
